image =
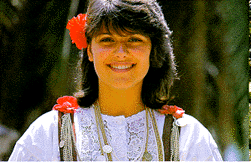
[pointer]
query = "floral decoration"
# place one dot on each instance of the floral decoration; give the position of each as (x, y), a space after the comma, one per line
(66, 104)
(77, 30)
(176, 111)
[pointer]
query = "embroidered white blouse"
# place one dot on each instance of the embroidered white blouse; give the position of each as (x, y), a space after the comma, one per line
(127, 136)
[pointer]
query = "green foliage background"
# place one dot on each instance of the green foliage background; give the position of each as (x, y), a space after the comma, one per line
(249, 80)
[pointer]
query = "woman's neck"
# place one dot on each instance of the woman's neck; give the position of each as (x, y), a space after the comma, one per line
(117, 102)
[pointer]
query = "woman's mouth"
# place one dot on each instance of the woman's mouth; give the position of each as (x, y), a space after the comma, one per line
(121, 67)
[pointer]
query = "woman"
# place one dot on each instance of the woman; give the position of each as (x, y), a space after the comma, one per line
(128, 68)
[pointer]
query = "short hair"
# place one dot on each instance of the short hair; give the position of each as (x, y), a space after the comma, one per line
(146, 17)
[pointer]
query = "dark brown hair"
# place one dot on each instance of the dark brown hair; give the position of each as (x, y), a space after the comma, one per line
(146, 17)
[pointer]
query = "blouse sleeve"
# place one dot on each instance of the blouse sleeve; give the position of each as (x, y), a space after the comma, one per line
(20, 153)
(40, 141)
(196, 142)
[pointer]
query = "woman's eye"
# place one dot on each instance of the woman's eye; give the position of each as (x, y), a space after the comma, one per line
(107, 40)
(135, 40)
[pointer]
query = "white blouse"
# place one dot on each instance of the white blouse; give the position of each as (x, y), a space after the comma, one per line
(127, 136)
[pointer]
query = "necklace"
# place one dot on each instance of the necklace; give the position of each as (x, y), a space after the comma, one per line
(159, 143)
(109, 150)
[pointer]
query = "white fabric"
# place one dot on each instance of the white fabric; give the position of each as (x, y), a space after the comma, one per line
(126, 136)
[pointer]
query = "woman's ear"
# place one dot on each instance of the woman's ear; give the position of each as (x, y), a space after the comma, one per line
(89, 53)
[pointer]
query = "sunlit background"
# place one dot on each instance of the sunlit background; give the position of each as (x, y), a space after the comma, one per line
(211, 44)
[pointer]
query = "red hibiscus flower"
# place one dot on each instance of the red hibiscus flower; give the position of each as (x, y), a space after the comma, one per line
(77, 30)
(66, 104)
(176, 111)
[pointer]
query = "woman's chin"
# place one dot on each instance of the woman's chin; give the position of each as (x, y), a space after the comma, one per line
(123, 84)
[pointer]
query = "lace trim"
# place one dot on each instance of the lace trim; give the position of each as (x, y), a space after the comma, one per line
(87, 139)
(125, 135)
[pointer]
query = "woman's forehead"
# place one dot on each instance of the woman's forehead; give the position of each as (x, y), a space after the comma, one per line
(110, 29)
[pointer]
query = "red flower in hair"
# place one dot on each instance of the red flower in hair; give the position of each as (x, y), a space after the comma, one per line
(77, 30)
(176, 111)
(66, 104)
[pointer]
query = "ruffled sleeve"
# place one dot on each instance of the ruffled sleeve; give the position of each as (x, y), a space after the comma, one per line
(40, 141)
(196, 142)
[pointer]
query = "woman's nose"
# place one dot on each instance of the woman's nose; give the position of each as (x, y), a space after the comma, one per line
(121, 51)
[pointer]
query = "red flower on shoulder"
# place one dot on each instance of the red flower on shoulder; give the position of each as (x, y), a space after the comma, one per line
(77, 30)
(66, 104)
(176, 111)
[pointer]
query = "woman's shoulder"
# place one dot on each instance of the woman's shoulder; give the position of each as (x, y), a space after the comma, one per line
(45, 121)
(196, 141)
(193, 125)
(194, 128)
(41, 127)
(190, 120)
(47, 118)
(40, 140)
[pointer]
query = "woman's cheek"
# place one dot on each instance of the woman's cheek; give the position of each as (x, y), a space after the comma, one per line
(102, 54)
(140, 53)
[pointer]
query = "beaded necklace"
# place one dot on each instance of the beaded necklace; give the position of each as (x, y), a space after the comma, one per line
(109, 150)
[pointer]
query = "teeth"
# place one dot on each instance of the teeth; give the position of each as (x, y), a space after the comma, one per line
(121, 66)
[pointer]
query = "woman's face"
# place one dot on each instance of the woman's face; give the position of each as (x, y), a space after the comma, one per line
(120, 60)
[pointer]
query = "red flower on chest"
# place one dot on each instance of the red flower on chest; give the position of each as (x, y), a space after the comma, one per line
(176, 111)
(66, 104)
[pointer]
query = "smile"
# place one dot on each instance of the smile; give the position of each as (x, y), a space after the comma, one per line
(121, 67)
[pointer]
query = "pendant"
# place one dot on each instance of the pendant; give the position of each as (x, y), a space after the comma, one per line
(181, 122)
(101, 158)
(61, 144)
(107, 149)
(147, 156)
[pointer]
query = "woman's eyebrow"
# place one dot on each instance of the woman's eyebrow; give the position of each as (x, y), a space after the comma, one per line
(103, 34)
(125, 35)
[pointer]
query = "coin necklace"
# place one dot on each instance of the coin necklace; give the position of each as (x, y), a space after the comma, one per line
(108, 149)
(147, 156)
(158, 139)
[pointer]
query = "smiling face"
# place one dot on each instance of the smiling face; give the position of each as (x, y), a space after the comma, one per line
(120, 60)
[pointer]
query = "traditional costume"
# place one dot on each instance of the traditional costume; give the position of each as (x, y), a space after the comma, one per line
(128, 139)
